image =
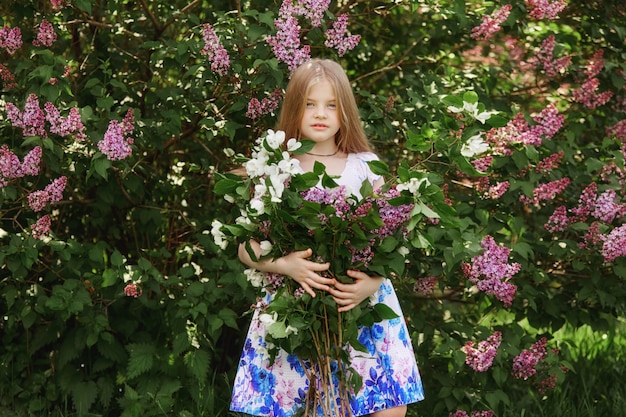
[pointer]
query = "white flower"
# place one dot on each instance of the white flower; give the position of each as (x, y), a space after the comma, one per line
(278, 186)
(218, 236)
(243, 220)
(260, 190)
(229, 198)
(268, 319)
(293, 145)
(484, 116)
(266, 247)
(255, 167)
(255, 277)
(291, 330)
(288, 165)
(474, 146)
(256, 204)
(403, 250)
(412, 185)
(275, 139)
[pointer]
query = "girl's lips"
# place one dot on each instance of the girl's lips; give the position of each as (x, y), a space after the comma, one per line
(319, 126)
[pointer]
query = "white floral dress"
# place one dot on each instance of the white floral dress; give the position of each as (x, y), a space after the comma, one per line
(390, 374)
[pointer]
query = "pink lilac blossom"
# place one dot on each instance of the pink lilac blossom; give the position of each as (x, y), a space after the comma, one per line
(52, 194)
(46, 35)
(547, 191)
(497, 190)
(8, 79)
(545, 9)
(426, 285)
(546, 58)
(132, 290)
(558, 221)
(592, 237)
(115, 145)
(312, 9)
(617, 131)
(57, 4)
(393, 217)
(338, 37)
(286, 43)
(10, 166)
(606, 209)
(491, 23)
(215, 52)
(31, 120)
(525, 364)
(482, 164)
(267, 105)
(480, 358)
(41, 227)
(491, 271)
(550, 163)
(614, 244)
(10, 39)
(587, 93)
(64, 126)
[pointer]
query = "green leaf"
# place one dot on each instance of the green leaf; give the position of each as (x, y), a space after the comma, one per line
(141, 359)
(84, 394)
(198, 362)
(378, 167)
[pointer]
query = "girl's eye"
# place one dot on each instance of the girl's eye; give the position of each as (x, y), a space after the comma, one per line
(309, 104)
(332, 106)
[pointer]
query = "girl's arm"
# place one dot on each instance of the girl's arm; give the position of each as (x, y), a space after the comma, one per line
(295, 265)
(348, 296)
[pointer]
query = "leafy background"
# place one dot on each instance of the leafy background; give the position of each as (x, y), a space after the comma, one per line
(74, 344)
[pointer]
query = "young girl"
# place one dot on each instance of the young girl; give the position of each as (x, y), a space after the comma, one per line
(319, 105)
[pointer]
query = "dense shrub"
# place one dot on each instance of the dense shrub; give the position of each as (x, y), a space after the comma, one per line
(115, 116)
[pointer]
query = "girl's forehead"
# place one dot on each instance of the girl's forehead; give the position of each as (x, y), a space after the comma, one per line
(321, 86)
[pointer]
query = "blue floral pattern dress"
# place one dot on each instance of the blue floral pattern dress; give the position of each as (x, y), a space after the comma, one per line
(390, 374)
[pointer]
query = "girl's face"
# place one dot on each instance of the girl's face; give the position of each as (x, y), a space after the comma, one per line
(320, 120)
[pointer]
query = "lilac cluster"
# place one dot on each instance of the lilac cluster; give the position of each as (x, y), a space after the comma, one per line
(65, 126)
(215, 52)
(132, 289)
(267, 105)
(587, 93)
(491, 272)
(46, 35)
(525, 364)
(286, 43)
(361, 256)
(546, 58)
(33, 119)
(311, 9)
(336, 197)
(618, 130)
(10, 39)
(8, 79)
(41, 227)
(548, 123)
(480, 358)
(57, 4)
(549, 163)
(614, 244)
(547, 191)
(461, 413)
(52, 194)
(10, 166)
(338, 37)
(426, 285)
(491, 23)
(545, 9)
(393, 217)
(482, 164)
(115, 144)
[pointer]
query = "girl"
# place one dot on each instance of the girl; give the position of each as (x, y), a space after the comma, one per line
(319, 105)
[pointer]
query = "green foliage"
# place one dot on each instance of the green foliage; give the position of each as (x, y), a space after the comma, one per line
(74, 343)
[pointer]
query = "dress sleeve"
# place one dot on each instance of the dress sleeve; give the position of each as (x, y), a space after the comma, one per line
(362, 159)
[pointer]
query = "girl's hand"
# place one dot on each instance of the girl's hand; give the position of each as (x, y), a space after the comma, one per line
(303, 271)
(348, 296)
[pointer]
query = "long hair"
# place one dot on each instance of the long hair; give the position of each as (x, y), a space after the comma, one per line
(351, 136)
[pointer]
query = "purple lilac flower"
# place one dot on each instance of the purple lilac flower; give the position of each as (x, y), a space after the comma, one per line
(10, 39)
(64, 126)
(115, 145)
(52, 194)
(286, 43)
(426, 285)
(10, 166)
(491, 272)
(558, 221)
(312, 9)
(338, 37)
(545, 9)
(8, 79)
(480, 358)
(215, 52)
(46, 35)
(31, 120)
(491, 23)
(546, 191)
(267, 105)
(41, 227)
(132, 290)
(393, 217)
(525, 364)
(614, 244)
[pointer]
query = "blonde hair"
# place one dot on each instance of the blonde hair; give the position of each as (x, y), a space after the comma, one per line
(351, 136)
